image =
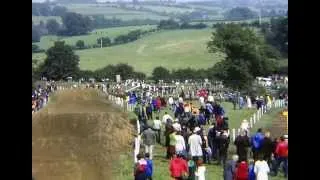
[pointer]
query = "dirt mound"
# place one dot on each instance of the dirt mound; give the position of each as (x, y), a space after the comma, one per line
(78, 136)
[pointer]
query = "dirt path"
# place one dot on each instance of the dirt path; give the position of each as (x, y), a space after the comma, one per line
(74, 137)
(278, 127)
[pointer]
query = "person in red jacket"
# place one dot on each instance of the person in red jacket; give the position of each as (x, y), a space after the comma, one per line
(158, 104)
(178, 167)
(281, 155)
(242, 171)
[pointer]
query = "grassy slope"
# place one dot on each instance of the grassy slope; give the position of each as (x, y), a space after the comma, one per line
(172, 49)
(161, 171)
(90, 39)
(37, 19)
(109, 12)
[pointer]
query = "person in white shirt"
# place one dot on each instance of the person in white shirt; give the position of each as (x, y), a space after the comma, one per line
(201, 170)
(201, 99)
(180, 100)
(176, 125)
(245, 126)
(180, 144)
(261, 169)
(171, 102)
(249, 104)
(195, 143)
(165, 117)
(157, 128)
(210, 98)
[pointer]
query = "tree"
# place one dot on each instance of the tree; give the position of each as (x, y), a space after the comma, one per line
(59, 11)
(76, 24)
(53, 26)
(277, 34)
(160, 73)
(61, 62)
(240, 13)
(35, 35)
(80, 44)
(106, 41)
(246, 56)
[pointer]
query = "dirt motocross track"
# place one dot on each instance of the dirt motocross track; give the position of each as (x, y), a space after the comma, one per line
(78, 136)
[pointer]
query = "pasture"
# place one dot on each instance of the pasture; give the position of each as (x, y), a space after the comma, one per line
(37, 19)
(90, 39)
(172, 49)
(112, 11)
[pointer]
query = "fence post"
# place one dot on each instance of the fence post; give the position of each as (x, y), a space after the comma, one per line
(254, 118)
(258, 115)
(262, 110)
(251, 125)
(233, 134)
(239, 131)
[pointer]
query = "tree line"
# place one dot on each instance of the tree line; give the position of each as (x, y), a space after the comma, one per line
(45, 9)
(172, 24)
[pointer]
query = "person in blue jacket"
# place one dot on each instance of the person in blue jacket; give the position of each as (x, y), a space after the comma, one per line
(149, 169)
(257, 142)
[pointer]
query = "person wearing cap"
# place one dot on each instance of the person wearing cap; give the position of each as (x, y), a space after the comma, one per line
(195, 143)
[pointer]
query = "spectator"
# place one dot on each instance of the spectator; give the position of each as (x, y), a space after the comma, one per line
(212, 140)
(149, 111)
(261, 168)
(242, 170)
(267, 147)
(230, 168)
(149, 140)
(223, 144)
(178, 167)
(252, 175)
(180, 144)
(149, 168)
(195, 143)
(165, 118)
(201, 170)
(192, 168)
(242, 143)
(257, 142)
(157, 128)
(281, 155)
(172, 144)
(140, 168)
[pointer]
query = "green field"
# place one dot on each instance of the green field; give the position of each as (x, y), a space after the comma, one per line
(37, 19)
(110, 12)
(167, 9)
(173, 49)
(90, 39)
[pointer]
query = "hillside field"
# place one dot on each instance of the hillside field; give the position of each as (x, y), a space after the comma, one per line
(110, 12)
(90, 39)
(172, 49)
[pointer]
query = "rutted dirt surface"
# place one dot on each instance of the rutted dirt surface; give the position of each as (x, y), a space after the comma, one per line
(77, 137)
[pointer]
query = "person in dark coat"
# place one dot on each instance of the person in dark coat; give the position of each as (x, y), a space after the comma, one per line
(267, 147)
(230, 168)
(223, 145)
(212, 140)
(242, 143)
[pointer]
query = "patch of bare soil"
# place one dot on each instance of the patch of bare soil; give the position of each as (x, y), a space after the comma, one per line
(78, 136)
(278, 128)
